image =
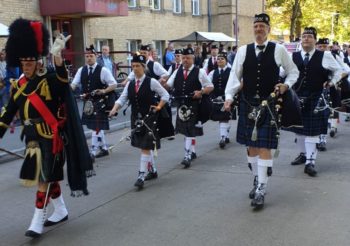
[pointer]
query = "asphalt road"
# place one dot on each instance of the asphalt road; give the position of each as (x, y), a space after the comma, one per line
(205, 205)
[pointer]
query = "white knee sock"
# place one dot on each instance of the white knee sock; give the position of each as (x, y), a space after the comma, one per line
(301, 143)
(193, 145)
(334, 123)
(188, 143)
(311, 151)
(103, 144)
(153, 162)
(253, 160)
(94, 143)
(262, 170)
(323, 138)
(144, 160)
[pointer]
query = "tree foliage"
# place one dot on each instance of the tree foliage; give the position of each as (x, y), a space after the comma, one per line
(328, 16)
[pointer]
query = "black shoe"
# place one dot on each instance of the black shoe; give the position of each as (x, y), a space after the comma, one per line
(102, 153)
(322, 146)
(139, 183)
(222, 143)
(310, 170)
(51, 223)
(301, 159)
(333, 132)
(151, 175)
(193, 155)
(32, 234)
(186, 162)
(227, 140)
(171, 138)
(255, 185)
(258, 201)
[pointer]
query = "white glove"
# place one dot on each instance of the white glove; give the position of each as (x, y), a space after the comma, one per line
(59, 44)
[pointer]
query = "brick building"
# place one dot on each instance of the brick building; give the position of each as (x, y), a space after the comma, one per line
(147, 21)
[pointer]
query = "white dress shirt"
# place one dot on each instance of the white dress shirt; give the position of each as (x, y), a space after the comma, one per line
(202, 77)
(155, 86)
(329, 63)
(106, 76)
(158, 69)
(211, 74)
(282, 59)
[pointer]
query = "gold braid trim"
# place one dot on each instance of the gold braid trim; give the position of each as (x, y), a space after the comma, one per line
(45, 91)
(31, 150)
(2, 124)
(64, 80)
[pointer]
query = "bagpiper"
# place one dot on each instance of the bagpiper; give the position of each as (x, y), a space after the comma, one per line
(257, 66)
(52, 129)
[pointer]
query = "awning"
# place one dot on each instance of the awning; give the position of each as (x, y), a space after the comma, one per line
(205, 37)
(4, 30)
(83, 8)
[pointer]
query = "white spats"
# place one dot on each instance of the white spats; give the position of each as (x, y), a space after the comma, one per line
(60, 210)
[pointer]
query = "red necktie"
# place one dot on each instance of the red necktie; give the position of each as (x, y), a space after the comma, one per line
(137, 86)
(177, 65)
(185, 74)
(214, 61)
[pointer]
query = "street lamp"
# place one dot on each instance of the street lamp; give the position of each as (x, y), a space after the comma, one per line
(332, 29)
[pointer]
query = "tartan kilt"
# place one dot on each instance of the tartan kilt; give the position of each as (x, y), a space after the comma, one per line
(187, 127)
(313, 124)
(141, 137)
(98, 121)
(266, 134)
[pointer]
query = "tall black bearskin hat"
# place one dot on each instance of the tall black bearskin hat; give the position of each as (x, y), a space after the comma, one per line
(90, 49)
(28, 40)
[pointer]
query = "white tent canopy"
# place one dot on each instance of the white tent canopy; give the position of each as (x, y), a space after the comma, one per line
(4, 30)
(205, 37)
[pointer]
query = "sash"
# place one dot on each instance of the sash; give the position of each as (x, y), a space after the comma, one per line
(40, 106)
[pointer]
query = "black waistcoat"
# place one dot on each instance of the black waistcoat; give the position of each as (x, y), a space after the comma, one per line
(220, 82)
(186, 86)
(311, 77)
(143, 99)
(173, 68)
(259, 78)
(95, 83)
(211, 66)
(150, 71)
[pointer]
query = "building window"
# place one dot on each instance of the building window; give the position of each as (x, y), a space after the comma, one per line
(159, 47)
(132, 46)
(101, 42)
(132, 3)
(195, 7)
(177, 6)
(155, 4)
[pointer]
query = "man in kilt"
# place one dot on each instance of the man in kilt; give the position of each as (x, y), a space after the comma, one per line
(219, 78)
(145, 110)
(257, 65)
(318, 70)
(51, 127)
(96, 82)
(189, 84)
(156, 71)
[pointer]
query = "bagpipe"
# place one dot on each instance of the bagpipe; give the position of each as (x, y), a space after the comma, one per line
(283, 109)
(94, 103)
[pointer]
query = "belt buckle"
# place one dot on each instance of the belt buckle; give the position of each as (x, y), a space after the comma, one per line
(27, 122)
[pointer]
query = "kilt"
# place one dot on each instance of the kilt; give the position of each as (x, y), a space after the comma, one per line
(97, 120)
(51, 168)
(266, 133)
(218, 114)
(187, 118)
(141, 136)
(313, 124)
